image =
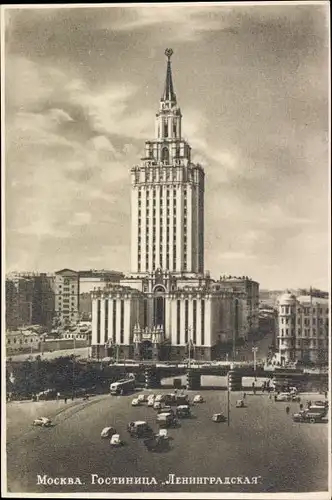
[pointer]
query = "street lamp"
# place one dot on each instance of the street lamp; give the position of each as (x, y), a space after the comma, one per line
(74, 352)
(254, 350)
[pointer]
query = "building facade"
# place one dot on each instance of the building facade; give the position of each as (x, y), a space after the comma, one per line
(168, 307)
(303, 329)
(30, 300)
(66, 297)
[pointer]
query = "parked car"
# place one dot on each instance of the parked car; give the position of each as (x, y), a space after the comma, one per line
(116, 440)
(107, 432)
(157, 405)
(240, 403)
(166, 420)
(151, 402)
(135, 402)
(142, 398)
(42, 422)
(287, 397)
(157, 443)
(218, 417)
(308, 416)
(140, 428)
(183, 411)
(166, 409)
(198, 399)
(159, 398)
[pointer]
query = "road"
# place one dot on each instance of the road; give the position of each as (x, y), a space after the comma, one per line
(260, 441)
(79, 351)
(245, 352)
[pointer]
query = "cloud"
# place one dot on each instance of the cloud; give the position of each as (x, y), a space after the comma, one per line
(82, 87)
(80, 219)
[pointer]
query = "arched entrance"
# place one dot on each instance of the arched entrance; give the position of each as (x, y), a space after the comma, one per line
(146, 349)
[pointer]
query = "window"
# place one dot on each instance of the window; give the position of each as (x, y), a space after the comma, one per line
(106, 319)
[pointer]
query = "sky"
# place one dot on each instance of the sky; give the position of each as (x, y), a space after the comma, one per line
(82, 87)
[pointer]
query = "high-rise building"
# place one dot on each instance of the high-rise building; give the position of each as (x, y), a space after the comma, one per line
(168, 306)
(29, 300)
(66, 297)
(167, 197)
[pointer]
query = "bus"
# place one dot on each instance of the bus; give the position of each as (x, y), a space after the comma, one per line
(122, 387)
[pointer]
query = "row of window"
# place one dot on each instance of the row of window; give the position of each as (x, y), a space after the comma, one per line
(154, 193)
(306, 321)
(15, 341)
(304, 310)
(300, 343)
(306, 332)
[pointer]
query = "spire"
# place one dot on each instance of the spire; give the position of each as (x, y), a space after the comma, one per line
(169, 94)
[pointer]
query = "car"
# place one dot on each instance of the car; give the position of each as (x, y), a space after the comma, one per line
(151, 402)
(240, 403)
(157, 405)
(159, 398)
(140, 428)
(318, 409)
(284, 396)
(323, 404)
(157, 443)
(166, 409)
(218, 417)
(116, 440)
(135, 402)
(183, 411)
(142, 398)
(107, 432)
(166, 420)
(308, 416)
(42, 422)
(198, 399)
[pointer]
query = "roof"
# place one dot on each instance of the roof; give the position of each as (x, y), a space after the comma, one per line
(307, 299)
(286, 298)
(67, 272)
(140, 422)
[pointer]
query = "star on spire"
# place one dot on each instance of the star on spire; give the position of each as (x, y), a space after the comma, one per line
(169, 94)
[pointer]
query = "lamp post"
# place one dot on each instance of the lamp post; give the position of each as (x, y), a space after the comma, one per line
(228, 407)
(74, 352)
(254, 350)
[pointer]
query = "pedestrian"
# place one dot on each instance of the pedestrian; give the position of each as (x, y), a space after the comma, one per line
(244, 396)
(325, 394)
(287, 409)
(301, 406)
(270, 395)
(65, 400)
(275, 397)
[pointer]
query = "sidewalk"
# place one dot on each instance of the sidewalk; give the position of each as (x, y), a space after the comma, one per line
(20, 414)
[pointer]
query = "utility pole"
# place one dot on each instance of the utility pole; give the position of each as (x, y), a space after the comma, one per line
(228, 407)
(254, 350)
(74, 351)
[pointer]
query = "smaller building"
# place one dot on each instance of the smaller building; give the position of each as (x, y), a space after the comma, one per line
(21, 341)
(303, 329)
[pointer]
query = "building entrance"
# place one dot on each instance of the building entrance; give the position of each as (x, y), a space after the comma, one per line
(146, 350)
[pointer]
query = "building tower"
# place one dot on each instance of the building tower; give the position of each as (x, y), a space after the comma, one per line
(167, 199)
